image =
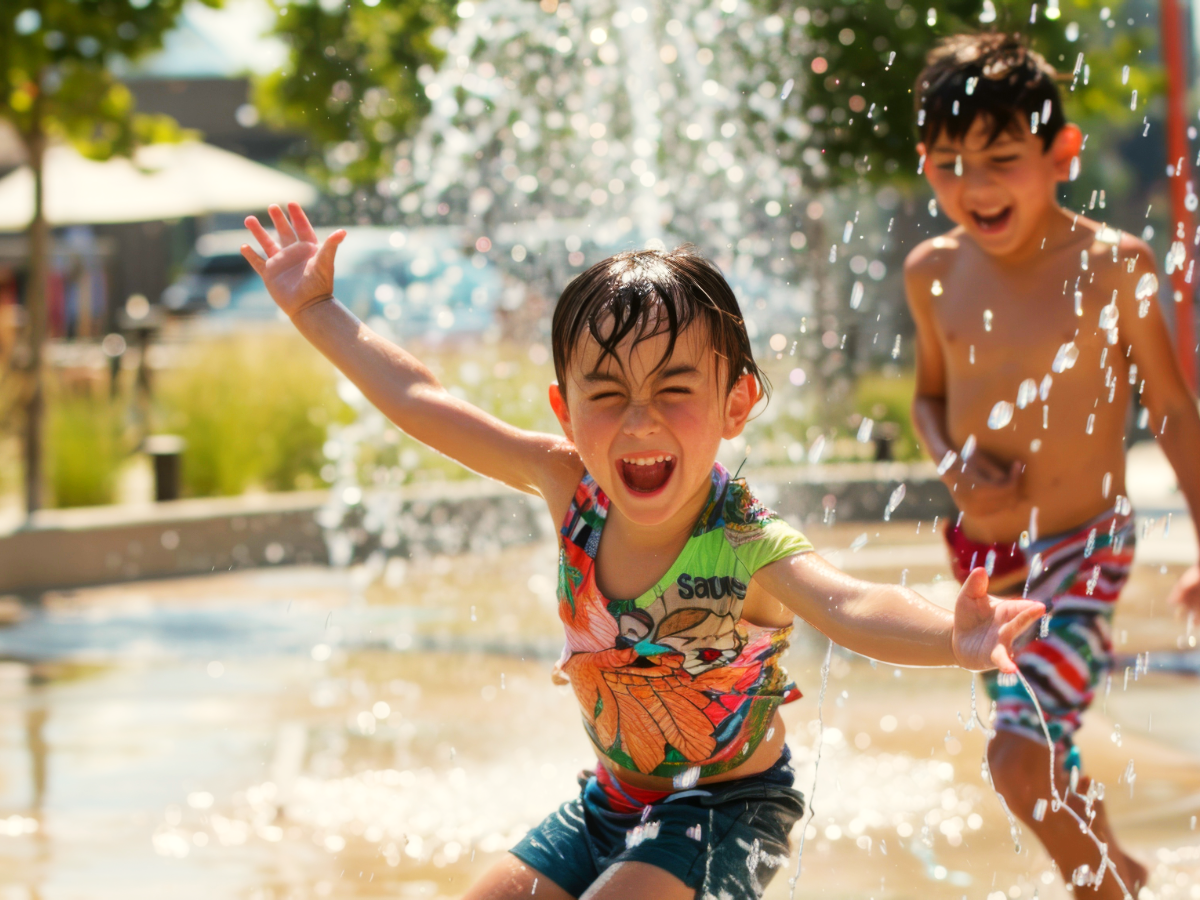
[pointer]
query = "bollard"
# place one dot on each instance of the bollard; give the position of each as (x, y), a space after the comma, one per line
(166, 450)
(885, 439)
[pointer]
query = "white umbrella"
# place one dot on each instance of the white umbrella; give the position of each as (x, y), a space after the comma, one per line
(162, 181)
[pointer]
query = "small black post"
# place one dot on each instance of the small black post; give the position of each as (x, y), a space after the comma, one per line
(166, 450)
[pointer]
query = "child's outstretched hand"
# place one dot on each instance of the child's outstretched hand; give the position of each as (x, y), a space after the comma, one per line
(298, 271)
(1186, 592)
(985, 626)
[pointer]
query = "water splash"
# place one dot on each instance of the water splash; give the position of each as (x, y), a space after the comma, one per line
(812, 794)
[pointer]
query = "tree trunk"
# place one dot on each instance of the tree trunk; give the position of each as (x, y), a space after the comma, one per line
(35, 308)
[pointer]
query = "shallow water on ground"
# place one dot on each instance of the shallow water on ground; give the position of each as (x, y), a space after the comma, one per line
(296, 733)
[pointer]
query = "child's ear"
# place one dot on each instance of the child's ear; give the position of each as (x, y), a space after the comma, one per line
(1066, 146)
(739, 404)
(558, 403)
(923, 153)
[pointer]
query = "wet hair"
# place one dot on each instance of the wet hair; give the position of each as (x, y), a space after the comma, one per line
(993, 75)
(645, 293)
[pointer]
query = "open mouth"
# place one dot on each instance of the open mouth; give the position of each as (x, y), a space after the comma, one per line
(647, 474)
(992, 224)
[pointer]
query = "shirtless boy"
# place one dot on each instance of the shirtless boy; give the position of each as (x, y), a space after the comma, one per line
(1031, 340)
(677, 588)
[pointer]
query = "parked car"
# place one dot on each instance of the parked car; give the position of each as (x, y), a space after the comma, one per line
(211, 272)
(422, 281)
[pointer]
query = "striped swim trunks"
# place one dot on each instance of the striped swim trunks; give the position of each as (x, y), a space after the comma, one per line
(1079, 577)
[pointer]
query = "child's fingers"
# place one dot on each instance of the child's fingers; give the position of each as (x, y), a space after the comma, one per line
(304, 229)
(976, 584)
(282, 225)
(329, 249)
(1003, 660)
(260, 234)
(256, 262)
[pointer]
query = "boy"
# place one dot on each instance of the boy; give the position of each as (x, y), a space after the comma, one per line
(1034, 328)
(678, 674)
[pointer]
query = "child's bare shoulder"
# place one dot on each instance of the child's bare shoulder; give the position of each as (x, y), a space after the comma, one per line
(928, 263)
(934, 255)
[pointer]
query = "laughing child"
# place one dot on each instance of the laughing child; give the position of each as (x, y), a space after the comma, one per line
(1035, 327)
(677, 587)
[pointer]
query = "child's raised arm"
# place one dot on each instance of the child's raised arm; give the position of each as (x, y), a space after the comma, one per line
(298, 273)
(899, 626)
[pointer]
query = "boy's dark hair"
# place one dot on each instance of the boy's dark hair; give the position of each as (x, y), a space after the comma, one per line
(992, 75)
(645, 293)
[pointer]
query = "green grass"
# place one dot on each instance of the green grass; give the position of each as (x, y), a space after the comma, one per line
(85, 448)
(254, 411)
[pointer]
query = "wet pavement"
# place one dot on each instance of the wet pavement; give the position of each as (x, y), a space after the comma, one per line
(305, 732)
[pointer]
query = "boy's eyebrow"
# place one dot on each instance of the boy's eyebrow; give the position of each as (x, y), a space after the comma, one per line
(682, 369)
(597, 376)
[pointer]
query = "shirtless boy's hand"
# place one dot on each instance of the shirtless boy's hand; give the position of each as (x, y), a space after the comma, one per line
(1186, 592)
(983, 485)
(298, 271)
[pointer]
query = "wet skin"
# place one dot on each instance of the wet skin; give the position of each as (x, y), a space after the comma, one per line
(1016, 253)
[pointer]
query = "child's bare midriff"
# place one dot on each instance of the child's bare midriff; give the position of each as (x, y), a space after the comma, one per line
(1001, 325)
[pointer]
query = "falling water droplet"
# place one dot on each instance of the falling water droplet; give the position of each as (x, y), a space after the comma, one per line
(1147, 287)
(1000, 415)
(817, 448)
(1083, 260)
(856, 295)
(864, 430)
(970, 85)
(968, 447)
(958, 169)
(987, 320)
(1065, 358)
(936, 288)
(1091, 423)
(1079, 303)
(1133, 100)
(933, 206)
(947, 462)
(893, 502)
(1109, 315)
(1074, 170)
(1039, 810)
(1026, 393)
(1106, 484)
(1124, 74)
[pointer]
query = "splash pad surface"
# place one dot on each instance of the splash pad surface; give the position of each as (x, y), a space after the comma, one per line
(304, 732)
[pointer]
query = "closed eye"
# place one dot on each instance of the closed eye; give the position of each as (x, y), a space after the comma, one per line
(605, 395)
(1005, 159)
(677, 390)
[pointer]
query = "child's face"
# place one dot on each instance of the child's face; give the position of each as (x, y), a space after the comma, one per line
(649, 434)
(1001, 192)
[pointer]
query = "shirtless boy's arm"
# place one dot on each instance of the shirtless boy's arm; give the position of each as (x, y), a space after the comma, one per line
(980, 484)
(1173, 415)
(298, 273)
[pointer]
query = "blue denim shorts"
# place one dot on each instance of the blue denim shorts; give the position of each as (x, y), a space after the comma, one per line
(723, 840)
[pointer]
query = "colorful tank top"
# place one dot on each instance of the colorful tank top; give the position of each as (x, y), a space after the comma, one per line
(676, 679)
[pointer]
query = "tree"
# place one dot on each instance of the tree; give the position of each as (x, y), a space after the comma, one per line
(55, 86)
(862, 57)
(351, 82)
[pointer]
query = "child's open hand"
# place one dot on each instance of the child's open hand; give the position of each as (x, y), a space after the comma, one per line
(985, 626)
(1186, 592)
(298, 271)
